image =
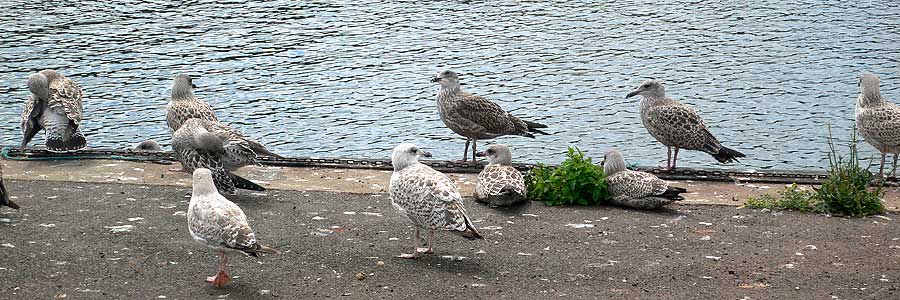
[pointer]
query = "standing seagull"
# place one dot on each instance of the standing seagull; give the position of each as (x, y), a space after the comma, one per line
(4, 197)
(878, 120)
(500, 183)
(198, 145)
(184, 106)
(220, 224)
(55, 106)
(636, 189)
(427, 197)
(676, 125)
(475, 117)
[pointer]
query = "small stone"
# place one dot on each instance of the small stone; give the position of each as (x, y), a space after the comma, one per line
(360, 276)
(379, 263)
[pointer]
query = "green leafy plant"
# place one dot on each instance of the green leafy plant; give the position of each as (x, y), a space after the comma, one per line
(576, 181)
(791, 198)
(845, 192)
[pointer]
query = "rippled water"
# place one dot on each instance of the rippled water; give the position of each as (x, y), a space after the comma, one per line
(352, 79)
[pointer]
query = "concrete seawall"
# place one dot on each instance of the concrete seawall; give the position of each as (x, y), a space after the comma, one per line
(358, 181)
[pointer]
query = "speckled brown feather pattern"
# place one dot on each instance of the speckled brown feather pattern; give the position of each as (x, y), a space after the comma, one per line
(880, 126)
(220, 224)
(193, 156)
(877, 120)
(428, 198)
(59, 115)
(500, 185)
(676, 125)
(476, 117)
(180, 110)
(638, 189)
(67, 94)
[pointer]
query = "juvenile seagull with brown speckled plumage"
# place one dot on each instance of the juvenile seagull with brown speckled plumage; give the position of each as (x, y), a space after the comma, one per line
(677, 125)
(55, 107)
(878, 120)
(428, 198)
(184, 106)
(500, 183)
(636, 189)
(475, 117)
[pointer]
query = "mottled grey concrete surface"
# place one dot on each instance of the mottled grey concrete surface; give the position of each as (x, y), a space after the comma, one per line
(118, 241)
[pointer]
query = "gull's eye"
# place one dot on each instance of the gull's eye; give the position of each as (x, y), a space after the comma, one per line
(413, 150)
(490, 152)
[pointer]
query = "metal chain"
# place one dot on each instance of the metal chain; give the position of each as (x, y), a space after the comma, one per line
(768, 176)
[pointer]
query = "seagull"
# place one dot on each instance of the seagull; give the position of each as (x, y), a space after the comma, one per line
(202, 144)
(878, 120)
(676, 125)
(55, 106)
(636, 189)
(475, 117)
(184, 105)
(220, 224)
(147, 146)
(4, 197)
(427, 197)
(499, 183)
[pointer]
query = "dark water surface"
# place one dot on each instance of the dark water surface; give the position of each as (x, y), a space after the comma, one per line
(352, 78)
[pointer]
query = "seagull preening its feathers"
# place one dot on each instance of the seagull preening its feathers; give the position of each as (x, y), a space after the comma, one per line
(220, 224)
(500, 183)
(636, 189)
(428, 198)
(206, 144)
(185, 106)
(55, 107)
(475, 117)
(878, 120)
(677, 125)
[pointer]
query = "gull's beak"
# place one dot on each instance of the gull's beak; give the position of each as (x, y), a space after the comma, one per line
(435, 79)
(193, 85)
(426, 154)
(635, 92)
(480, 154)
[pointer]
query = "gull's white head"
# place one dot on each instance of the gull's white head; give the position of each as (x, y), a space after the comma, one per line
(497, 154)
(203, 182)
(649, 89)
(869, 86)
(182, 86)
(613, 162)
(406, 154)
(447, 79)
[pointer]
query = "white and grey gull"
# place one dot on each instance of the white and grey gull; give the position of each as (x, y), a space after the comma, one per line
(634, 188)
(54, 106)
(428, 198)
(878, 120)
(499, 183)
(220, 224)
(677, 125)
(475, 117)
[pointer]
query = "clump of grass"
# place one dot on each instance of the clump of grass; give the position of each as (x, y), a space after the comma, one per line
(845, 192)
(576, 181)
(791, 198)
